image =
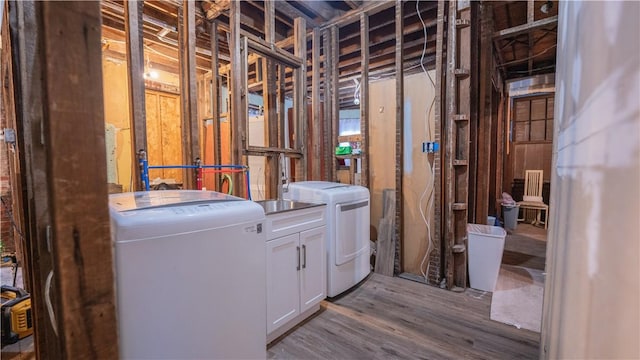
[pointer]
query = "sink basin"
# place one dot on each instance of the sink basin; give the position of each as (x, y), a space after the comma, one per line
(277, 206)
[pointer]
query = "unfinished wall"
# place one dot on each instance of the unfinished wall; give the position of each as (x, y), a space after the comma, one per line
(116, 114)
(118, 124)
(382, 154)
(592, 293)
(417, 179)
(418, 95)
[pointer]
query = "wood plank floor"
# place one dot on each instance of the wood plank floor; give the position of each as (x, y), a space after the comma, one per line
(394, 318)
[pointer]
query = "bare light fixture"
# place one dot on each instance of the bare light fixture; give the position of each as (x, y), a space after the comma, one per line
(546, 7)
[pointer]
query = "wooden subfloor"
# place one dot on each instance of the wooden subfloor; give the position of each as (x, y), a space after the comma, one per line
(394, 318)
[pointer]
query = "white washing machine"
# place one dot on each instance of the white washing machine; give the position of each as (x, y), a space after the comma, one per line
(190, 275)
(347, 215)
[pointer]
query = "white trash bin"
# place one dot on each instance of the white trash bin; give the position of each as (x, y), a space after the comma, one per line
(486, 244)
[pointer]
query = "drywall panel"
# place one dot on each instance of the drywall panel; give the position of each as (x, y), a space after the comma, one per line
(417, 187)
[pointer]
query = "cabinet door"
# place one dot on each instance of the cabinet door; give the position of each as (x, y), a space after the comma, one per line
(313, 272)
(283, 300)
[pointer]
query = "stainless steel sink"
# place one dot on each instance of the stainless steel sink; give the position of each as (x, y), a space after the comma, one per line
(277, 206)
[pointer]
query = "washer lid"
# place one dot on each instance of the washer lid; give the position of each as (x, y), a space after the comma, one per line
(165, 198)
(319, 185)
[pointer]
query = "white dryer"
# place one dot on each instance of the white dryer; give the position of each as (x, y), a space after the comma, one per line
(190, 275)
(347, 215)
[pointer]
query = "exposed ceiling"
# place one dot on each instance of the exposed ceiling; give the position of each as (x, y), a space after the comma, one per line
(161, 37)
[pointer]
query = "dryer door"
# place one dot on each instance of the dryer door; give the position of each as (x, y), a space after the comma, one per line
(352, 230)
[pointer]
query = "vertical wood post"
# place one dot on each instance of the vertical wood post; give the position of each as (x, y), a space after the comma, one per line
(449, 154)
(485, 113)
(317, 138)
(135, 70)
(399, 133)
(60, 91)
(328, 100)
(435, 260)
(270, 105)
(215, 99)
(300, 96)
(237, 93)
(364, 98)
(335, 96)
(188, 94)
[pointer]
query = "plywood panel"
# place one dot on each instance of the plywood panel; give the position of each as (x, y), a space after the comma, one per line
(382, 143)
(419, 93)
(154, 137)
(116, 113)
(171, 135)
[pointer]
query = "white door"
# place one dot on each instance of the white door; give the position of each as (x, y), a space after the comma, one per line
(283, 267)
(352, 230)
(313, 282)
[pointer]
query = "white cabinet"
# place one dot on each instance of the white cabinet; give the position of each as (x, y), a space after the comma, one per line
(296, 266)
(296, 276)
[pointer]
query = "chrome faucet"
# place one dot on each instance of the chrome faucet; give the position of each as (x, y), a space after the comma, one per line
(283, 177)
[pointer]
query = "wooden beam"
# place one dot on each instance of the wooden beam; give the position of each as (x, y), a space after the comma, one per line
(188, 95)
(238, 96)
(322, 8)
(215, 99)
(327, 68)
(364, 99)
(135, 68)
(435, 260)
(334, 63)
(354, 15)
(317, 120)
(524, 28)
(29, 91)
(449, 142)
(269, 95)
(399, 221)
(67, 209)
(353, 4)
(300, 97)
(484, 157)
(531, 6)
(290, 11)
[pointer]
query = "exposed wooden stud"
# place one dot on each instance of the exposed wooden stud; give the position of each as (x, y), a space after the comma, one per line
(66, 189)
(335, 96)
(215, 99)
(281, 113)
(135, 69)
(486, 69)
(399, 221)
(531, 8)
(300, 96)
(352, 16)
(237, 94)
(328, 101)
(461, 137)
(353, 4)
(317, 121)
(364, 99)
(449, 142)
(269, 94)
(521, 29)
(435, 260)
(188, 92)
(29, 85)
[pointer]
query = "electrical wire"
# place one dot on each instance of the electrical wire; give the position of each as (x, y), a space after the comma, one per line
(429, 187)
(424, 47)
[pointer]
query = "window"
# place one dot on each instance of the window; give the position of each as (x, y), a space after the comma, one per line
(533, 119)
